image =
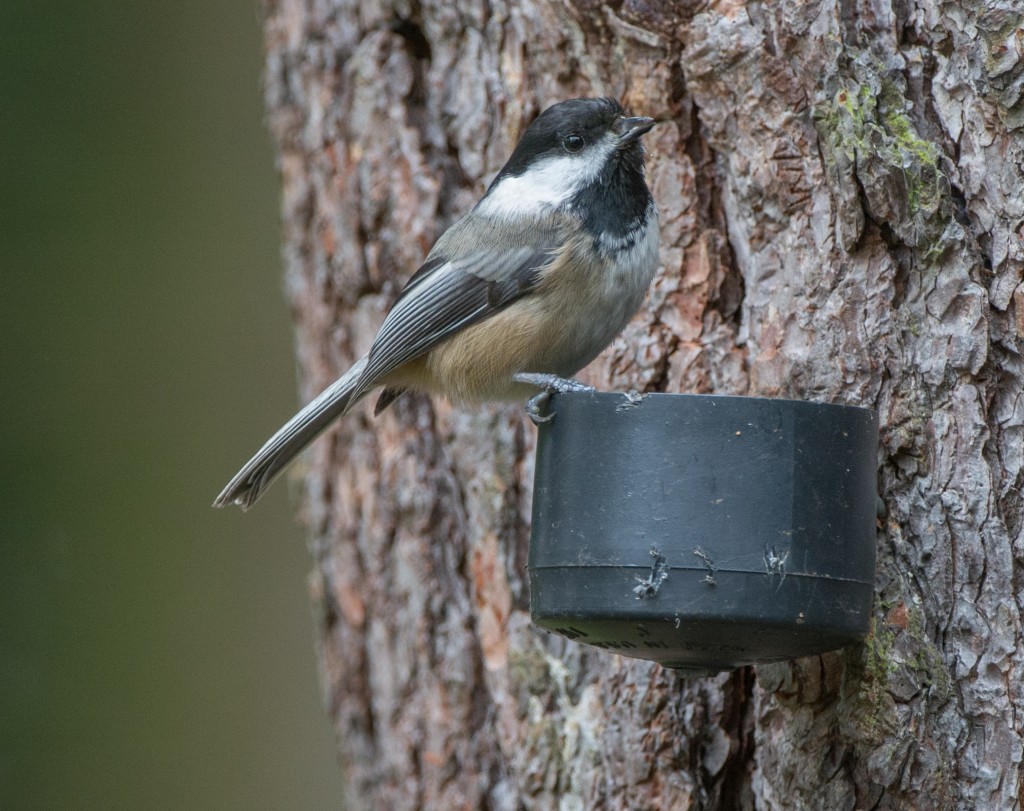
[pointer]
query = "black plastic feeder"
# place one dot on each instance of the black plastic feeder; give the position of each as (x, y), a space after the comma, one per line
(704, 532)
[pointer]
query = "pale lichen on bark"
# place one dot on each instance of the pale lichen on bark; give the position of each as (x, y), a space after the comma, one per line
(842, 209)
(877, 161)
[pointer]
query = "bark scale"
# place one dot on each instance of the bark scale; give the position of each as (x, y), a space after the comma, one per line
(842, 206)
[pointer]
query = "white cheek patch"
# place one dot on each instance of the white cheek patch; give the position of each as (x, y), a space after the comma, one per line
(547, 184)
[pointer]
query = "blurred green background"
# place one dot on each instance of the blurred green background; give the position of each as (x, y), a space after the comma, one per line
(154, 653)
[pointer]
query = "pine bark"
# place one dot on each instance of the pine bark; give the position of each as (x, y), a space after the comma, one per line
(842, 209)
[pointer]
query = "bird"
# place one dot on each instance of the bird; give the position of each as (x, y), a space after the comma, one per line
(522, 292)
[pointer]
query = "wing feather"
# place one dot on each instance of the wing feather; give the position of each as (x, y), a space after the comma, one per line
(467, 277)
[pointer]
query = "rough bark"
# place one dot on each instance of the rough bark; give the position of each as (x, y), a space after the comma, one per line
(842, 207)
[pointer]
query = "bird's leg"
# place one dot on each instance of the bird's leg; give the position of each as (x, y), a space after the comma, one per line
(553, 384)
(549, 384)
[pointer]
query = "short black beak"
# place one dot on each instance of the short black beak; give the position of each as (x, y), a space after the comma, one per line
(629, 129)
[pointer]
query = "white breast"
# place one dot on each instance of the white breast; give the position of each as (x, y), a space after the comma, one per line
(598, 303)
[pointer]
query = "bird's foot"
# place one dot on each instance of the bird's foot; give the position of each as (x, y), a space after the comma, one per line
(550, 384)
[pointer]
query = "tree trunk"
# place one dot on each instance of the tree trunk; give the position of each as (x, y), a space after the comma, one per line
(842, 211)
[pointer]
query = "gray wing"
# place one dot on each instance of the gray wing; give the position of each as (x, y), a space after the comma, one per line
(476, 269)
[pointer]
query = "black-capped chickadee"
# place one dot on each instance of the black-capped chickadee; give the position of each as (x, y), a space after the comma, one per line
(525, 289)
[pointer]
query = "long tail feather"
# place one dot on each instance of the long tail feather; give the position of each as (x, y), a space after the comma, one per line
(257, 474)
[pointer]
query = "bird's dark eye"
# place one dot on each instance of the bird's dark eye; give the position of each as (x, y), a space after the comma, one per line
(573, 142)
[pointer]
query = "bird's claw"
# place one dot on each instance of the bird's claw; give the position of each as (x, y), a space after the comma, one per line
(551, 384)
(535, 408)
